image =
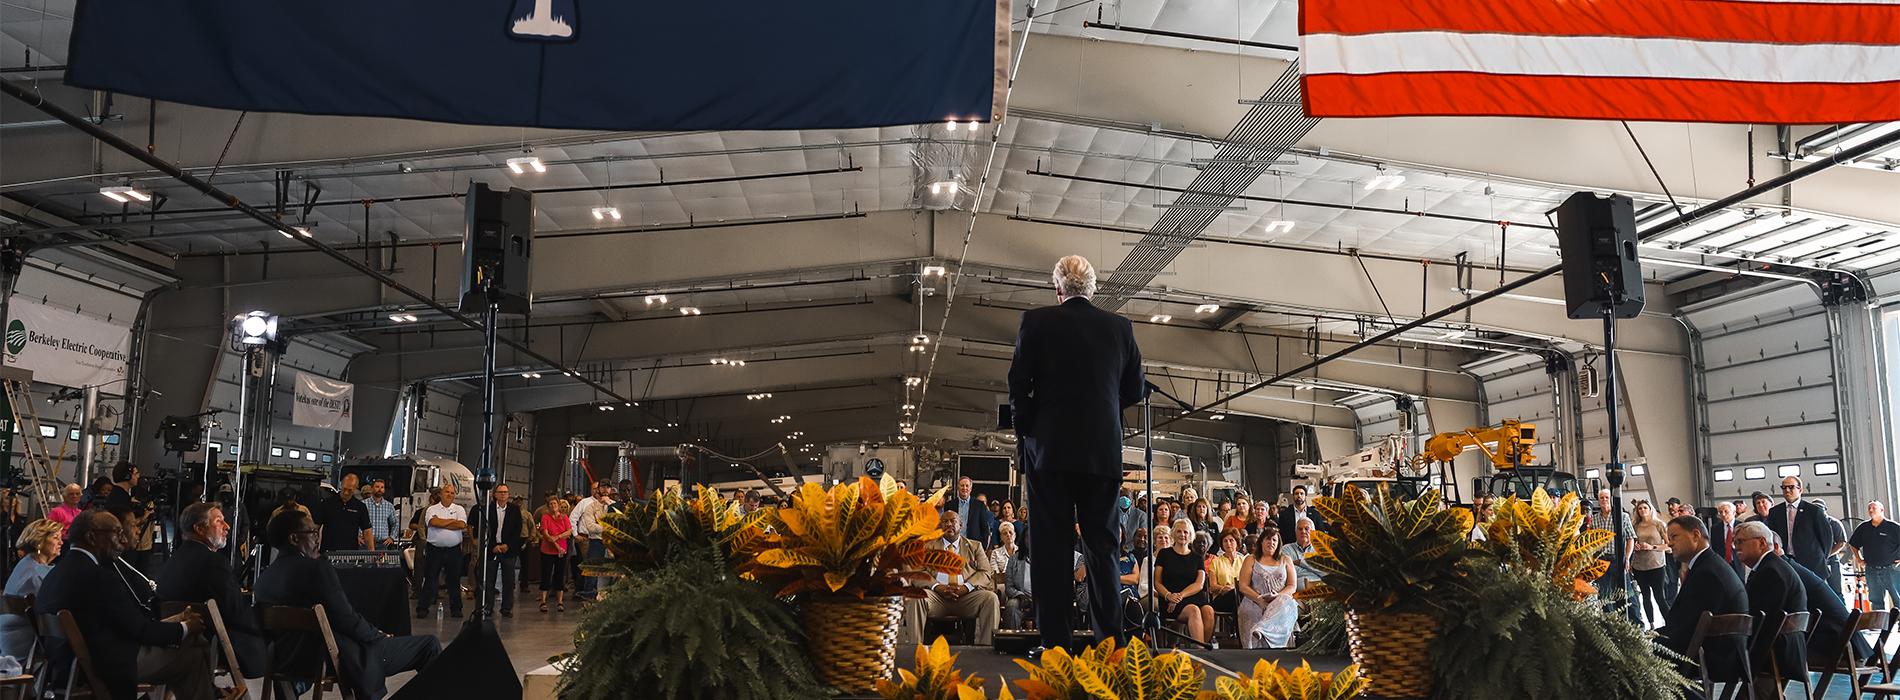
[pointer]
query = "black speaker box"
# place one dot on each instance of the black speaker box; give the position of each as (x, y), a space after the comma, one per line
(497, 243)
(1596, 237)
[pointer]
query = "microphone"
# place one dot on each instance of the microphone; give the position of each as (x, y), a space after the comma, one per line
(1152, 388)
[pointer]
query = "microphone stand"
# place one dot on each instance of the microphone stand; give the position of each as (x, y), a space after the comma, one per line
(1151, 624)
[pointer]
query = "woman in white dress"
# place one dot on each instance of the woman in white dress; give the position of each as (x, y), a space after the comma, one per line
(1268, 613)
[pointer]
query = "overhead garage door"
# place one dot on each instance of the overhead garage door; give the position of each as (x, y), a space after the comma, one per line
(1765, 373)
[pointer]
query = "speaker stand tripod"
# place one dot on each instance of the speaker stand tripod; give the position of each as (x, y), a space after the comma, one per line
(1613, 471)
(485, 472)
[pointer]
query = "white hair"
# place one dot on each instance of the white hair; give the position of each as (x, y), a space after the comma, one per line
(1075, 277)
(1755, 528)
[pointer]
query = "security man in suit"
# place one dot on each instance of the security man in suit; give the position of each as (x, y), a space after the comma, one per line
(1774, 592)
(1805, 534)
(1076, 368)
(505, 545)
(1709, 585)
(112, 603)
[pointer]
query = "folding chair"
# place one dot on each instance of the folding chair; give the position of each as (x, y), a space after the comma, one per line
(63, 627)
(1713, 627)
(278, 621)
(1842, 660)
(1793, 623)
(215, 618)
(23, 606)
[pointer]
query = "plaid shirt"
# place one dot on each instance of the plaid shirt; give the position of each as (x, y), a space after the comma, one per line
(383, 523)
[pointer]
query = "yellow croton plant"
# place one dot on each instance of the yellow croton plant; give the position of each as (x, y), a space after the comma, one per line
(858, 539)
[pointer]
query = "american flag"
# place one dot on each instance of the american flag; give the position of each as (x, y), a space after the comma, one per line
(1737, 61)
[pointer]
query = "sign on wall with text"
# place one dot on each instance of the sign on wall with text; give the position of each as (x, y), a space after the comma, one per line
(322, 402)
(66, 348)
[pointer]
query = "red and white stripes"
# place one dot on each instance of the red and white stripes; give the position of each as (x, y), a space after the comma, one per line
(1751, 61)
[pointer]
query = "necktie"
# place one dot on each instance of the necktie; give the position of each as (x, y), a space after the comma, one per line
(1791, 511)
(1728, 543)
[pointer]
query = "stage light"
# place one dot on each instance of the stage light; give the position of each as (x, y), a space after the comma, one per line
(1160, 318)
(1206, 308)
(656, 299)
(124, 194)
(604, 213)
(1281, 226)
(254, 328)
(689, 311)
(523, 164)
(934, 271)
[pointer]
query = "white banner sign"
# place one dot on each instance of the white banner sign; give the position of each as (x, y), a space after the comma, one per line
(67, 349)
(323, 402)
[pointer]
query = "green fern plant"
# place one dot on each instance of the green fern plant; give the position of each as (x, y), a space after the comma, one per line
(1323, 629)
(1513, 635)
(688, 630)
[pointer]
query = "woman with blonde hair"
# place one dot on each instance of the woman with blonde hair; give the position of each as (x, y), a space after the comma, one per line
(1182, 584)
(41, 541)
(1647, 561)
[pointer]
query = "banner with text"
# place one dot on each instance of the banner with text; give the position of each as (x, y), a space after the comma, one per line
(66, 348)
(322, 402)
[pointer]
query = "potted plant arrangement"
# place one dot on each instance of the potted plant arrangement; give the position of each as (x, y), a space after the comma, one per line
(1130, 673)
(661, 630)
(849, 555)
(1392, 564)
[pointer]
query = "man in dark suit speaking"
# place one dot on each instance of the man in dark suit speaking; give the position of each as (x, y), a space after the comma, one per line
(1076, 368)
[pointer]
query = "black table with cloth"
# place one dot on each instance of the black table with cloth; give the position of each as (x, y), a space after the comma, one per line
(380, 594)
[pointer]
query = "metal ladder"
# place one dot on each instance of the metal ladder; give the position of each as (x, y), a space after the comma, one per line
(39, 472)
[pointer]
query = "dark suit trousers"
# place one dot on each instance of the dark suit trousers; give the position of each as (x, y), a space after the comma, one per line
(444, 562)
(367, 674)
(1062, 501)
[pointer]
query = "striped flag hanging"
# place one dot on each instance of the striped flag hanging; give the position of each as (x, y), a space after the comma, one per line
(1737, 61)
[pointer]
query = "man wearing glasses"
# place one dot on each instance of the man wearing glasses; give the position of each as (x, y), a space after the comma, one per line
(113, 605)
(1774, 591)
(1805, 534)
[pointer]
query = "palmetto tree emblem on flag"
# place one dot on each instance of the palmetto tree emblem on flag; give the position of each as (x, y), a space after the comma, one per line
(542, 20)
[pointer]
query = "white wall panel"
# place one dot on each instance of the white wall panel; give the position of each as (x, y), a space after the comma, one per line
(441, 424)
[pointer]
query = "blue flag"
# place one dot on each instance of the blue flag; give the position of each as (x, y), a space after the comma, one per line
(632, 65)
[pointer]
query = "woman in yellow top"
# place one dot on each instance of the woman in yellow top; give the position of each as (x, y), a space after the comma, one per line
(1223, 568)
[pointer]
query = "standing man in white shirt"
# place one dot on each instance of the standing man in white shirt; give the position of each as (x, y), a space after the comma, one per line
(447, 524)
(587, 532)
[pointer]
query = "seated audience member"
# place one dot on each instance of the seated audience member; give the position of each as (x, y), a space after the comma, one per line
(41, 541)
(1268, 614)
(1774, 592)
(112, 603)
(970, 595)
(68, 508)
(1223, 570)
(1181, 585)
(1298, 550)
(1709, 585)
(1833, 623)
(197, 573)
(300, 578)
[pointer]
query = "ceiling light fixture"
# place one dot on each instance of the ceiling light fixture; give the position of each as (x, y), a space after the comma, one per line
(530, 375)
(1160, 318)
(301, 231)
(523, 164)
(689, 311)
(656, 299)
(605, 407)
(920, 339)
(910, 407)
(934, 271)
(124, 194)
(913, 381)
(403, 318)
(943, 187)
(1218, 416)
(1279, 226)
(604, 213)
(1206, 308)
(571, 373)
(1385, 181)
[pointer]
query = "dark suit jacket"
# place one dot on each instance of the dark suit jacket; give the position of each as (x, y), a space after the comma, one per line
(981, 525)
(1811, 538)
(299, 581)
(1075, 368)
(195, 574)
(1774, 590)
(113, 621)
(1833, 610)
(481, 524)
(1718, 538)
(1711, 586)
(1287, 518)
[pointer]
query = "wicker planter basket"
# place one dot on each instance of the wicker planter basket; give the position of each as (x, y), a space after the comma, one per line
(853, 642)
(1393, 651)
